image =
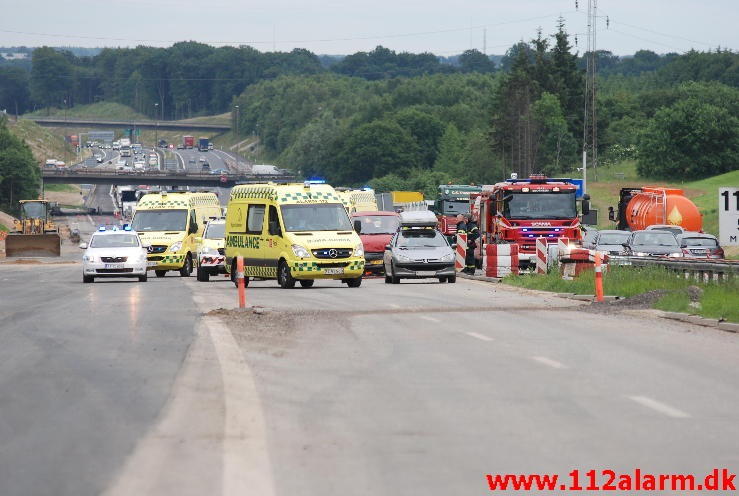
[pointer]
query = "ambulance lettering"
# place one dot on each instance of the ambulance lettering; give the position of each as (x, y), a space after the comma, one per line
(241, 241)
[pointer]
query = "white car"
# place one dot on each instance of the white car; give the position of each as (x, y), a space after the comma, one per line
(113, 253)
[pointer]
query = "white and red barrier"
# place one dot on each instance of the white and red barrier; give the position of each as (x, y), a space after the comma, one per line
(460, 252)
(541, 255)
(500, 260)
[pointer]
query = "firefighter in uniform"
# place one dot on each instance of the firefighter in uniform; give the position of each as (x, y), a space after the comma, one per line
(473, 234)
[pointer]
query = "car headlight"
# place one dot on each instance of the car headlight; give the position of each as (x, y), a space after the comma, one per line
(176, 246)
(359, 250)
(300, 252)
(448, 257)
(88, 258)
(207, 250)
(676, 255)
(402, 258)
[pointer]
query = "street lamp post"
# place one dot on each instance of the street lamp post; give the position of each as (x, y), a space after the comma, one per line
(156, 125)
(66, 149)
(236, 124)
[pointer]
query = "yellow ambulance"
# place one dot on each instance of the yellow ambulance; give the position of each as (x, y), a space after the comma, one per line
(170, 223)
(296, 232)
(358, 200)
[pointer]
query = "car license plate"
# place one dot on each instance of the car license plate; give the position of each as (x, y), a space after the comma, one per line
(375, 262)
(151, 264)
(333, 271)
(426, 273)
(114, 266)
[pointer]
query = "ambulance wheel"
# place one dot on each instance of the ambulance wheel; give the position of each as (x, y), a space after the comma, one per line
(203, 275)
(306, 283)
(354, 283)
(144, 278)
(451, 279)
(284, 277)
(160, 273)
(88, 279)
(233, 275)
(186, 269)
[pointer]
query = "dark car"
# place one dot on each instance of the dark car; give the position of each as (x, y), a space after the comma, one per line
(652, 243)
(205, 167)
(610, 241)
(700, 245)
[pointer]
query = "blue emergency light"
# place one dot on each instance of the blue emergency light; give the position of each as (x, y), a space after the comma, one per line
(101, 228)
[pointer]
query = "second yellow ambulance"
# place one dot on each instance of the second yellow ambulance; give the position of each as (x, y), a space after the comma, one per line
(296, 232)
(171, 223)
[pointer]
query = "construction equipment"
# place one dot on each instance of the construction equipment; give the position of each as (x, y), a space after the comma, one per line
(35, 234)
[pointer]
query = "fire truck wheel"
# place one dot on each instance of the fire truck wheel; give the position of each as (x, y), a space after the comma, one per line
(442, 279)
(451, 279)
(388, 279)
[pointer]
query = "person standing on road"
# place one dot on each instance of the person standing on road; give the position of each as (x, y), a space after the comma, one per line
(473, 234)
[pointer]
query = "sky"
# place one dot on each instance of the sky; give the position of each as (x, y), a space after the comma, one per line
(348, 26)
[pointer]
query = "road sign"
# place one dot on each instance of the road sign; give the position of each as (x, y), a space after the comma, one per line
(728, 216)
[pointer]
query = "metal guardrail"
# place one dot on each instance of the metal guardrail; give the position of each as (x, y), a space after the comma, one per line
(155, 176)
(143, 124)
(692, 268)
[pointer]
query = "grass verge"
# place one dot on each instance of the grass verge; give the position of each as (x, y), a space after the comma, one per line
(716, 301)
(3, 228)
(60, 188)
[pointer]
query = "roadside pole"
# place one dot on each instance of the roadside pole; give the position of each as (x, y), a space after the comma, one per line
(240, 281)
(598, 277)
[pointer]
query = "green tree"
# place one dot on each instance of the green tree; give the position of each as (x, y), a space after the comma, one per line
(51, 77)
(689, 140)
(14, 94)
(19, 172)
(376, 149)
(426, 131)
(475, 61)
(555, 145)
(451, 153)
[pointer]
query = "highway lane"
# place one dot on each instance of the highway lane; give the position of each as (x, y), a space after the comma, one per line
(417, 388)
(191, 160)
(423, 388)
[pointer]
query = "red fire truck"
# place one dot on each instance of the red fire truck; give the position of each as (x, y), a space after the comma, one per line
(454, 199)
(521, 210)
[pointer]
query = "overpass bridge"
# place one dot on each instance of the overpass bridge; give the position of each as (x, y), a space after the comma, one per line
(162, 178)
(161, 125)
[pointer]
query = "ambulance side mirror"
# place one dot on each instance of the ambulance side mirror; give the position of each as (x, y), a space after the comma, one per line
(358, 226)
(274, 228)
(611, 214)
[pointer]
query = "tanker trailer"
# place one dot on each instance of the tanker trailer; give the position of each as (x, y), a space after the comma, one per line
(639, 208)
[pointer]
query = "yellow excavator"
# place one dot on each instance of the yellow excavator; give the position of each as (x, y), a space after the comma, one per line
(35, 234)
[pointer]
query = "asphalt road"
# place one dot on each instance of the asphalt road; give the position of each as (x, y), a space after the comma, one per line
(417, 388)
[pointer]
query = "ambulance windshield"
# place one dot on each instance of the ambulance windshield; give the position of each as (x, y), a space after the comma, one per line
(159, 220)
(316, 217)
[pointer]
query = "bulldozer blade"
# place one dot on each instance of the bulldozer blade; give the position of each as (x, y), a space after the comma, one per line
(33, 245)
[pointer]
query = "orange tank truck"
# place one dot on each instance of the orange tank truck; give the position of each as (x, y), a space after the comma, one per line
(639, 208)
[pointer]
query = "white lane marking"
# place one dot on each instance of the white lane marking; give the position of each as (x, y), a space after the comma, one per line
(430, 319)
(659, 407)
(246, 464)
(479, 336)
(548, 362)
(394, 305)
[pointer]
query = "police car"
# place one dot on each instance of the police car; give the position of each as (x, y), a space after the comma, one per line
(113, 253)
(211, 252)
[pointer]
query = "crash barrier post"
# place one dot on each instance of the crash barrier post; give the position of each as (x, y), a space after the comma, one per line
(240, 281)
(541, 255)
(500, 260)
(598, 277)
(578, 260)
(460, 252)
